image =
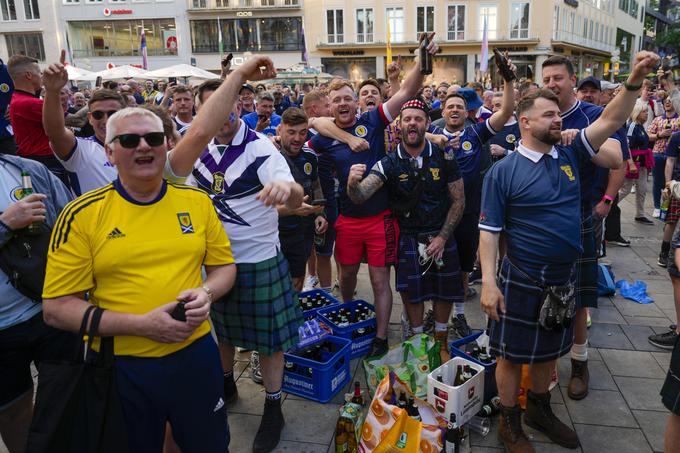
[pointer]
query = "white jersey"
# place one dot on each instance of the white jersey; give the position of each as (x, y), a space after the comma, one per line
(233, 175)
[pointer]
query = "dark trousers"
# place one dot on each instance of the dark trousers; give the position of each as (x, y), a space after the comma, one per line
(658, 178)
(612, 224)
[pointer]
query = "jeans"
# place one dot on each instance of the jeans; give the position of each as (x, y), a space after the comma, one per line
(659, 179)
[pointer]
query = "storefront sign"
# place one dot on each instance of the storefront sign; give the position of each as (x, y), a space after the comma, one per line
(348, 52)
(107, 12)
(244, 13)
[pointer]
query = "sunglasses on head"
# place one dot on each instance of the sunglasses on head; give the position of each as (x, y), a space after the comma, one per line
(99, 114)
(132, 140)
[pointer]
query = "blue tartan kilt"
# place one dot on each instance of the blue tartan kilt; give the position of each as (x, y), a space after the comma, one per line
(444, 284)
(518, 337)
(586, 267)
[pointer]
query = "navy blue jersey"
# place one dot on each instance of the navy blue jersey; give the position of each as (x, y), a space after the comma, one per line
(637, 136)
(508, 137)
(6, 90)
(400, 177)
(535, 199)
(182, 127)
(469, 156)
(672, 150)
(305, 172)
(336, 158)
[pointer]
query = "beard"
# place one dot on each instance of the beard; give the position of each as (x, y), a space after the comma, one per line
(549, 136)
(417, 141)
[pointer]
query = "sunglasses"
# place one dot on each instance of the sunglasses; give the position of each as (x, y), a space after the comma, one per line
(132, 140)
(99, 114)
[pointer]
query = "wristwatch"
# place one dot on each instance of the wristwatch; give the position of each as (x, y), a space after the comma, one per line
(607, 199)
(209, 292)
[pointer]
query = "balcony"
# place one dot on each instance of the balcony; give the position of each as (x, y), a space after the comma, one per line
(411, 40)
(234, 5)
(581, 41)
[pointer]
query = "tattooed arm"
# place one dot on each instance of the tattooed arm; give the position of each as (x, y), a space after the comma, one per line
(360, 190)
(457, 194)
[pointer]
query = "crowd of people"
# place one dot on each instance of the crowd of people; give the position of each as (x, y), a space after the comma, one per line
(232, 196)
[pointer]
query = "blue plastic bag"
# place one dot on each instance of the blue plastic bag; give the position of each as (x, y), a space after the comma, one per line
(605, 280)
(637, 292)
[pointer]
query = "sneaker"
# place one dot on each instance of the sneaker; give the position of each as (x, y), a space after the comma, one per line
(539, 415)
(663, 260)
(664, 340)
(406, 331)
(475, 276)
(471, 293)
(379, 347)
(657, 213)
(621, 242)
(310, 283)
(428, 322)
(255, 370)
(460, 326)
(589, 320)
(271, 425)
(644, 220)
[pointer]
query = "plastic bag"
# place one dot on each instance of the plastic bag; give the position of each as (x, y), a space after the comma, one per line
(637, 292)
(605, 280)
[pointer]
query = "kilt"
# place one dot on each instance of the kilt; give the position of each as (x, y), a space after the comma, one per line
(261, 311)
(443, 284)
(673, 270)
(518, 337)
(670, 392)
(673, 211)
(586, 266)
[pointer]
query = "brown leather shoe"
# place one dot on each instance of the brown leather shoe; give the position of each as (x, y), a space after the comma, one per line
(539, 415)
(443, 339)
(510, 431)
(578, 384)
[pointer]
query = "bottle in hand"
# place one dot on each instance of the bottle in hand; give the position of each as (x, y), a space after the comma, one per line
(26, 190)
(425, 56)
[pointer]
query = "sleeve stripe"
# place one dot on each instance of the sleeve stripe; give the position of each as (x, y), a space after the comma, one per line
(631, 129)
(488, 126)
(489, 228)
(55, 246)
(587, 144)
(70, 210)
(387, 118)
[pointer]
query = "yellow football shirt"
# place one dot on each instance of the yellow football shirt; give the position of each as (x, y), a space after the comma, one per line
(133, 257)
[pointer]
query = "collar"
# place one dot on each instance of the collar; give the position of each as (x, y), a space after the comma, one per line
(427, 152)
(237, 139)
(95, 139)
(511, 122)
(123, 193)
(33, 95)
(672, 117)
(535, 156)
(571, 109)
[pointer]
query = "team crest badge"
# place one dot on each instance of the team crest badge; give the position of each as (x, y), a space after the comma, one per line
(403, 177)
(16, 194)
(567, 171)
(361, 131)
(185, 222)
(511, 138)
(218, 182)
(4, 88)
(435, 174)
(448, 153)
(467, 146)
(307, 167)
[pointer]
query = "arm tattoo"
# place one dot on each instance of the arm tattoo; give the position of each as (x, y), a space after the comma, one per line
(457, 194)
(361, 192)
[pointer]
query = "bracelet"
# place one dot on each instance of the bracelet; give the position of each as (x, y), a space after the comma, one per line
(209, 292)
(631, 87)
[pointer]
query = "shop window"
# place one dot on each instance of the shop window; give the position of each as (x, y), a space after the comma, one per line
(29, 44)
(242, 35)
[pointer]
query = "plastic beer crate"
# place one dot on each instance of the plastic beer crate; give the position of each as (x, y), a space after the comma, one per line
(309, 314)
(464, 400)
(361, 343)
(457, 349)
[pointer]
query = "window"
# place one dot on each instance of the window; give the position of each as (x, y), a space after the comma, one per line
(490, 12)
(113, 38)
(71, 2)
(396, 18)
(243, 35)
(334, 25)
(556, 22)
(365, 25)
(456, 23)
(597, 29)
(117, 1)
(590, 30)
(29, 44)
(198, 3)
(31, 9)
(267, 2)
(572, 22)
(221, 3)
(425, 16)
(9, 10)
(94, 1)
(519, 20)
(290, 2)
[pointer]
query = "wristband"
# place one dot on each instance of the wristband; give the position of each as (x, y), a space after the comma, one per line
(607, 199)
(209, 292)
(631, 87)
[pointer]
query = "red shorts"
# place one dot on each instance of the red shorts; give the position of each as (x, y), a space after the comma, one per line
(374, 237)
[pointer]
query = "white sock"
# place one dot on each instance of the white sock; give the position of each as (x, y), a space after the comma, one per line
(440, 326)
(459, 308)
(418, 330)
(580, 351)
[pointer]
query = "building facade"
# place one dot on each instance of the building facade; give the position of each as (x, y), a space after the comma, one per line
(29, 27)
(630, 18)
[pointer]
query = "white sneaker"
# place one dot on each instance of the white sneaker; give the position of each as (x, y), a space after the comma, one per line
(310, 283)
(656, 214)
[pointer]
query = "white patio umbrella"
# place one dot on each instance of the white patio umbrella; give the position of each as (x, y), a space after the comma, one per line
(122, 72)
(182, 70)
(79, 73)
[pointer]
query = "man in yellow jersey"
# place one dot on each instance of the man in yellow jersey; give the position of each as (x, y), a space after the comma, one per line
(137, 246)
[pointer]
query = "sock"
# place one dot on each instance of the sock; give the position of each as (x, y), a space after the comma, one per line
(440, 326)
(459, 308)
(418, 330)
(665, 248)
(229, 375)
(580, 352)
(273, 397)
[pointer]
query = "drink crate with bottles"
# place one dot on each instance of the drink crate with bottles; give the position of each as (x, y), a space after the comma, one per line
(354, 321)
(456, 387)
(314, 300)
(469, 349)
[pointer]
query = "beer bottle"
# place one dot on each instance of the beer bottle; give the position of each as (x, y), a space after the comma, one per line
(341, 436)
(453, 436)
(357, 398)
(26, 190)
(469, 372)
(402, 403)
(412, 410)
(460, 378)
(425, 57)
(439, 378)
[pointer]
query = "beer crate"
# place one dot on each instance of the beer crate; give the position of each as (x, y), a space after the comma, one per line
(458, 348)
(464, 400)
(318, 380)
(310, 314)
(361, 334)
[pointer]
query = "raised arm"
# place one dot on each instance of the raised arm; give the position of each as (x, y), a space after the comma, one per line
(393, 71)
(360, 190)
(498, 119)
(54, 77)
(617, 111)
(213, 114)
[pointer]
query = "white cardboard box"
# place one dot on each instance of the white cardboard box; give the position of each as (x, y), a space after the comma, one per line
(464, 400)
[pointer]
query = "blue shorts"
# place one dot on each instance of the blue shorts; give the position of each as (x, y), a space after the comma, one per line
(326, 249)
(184, 388)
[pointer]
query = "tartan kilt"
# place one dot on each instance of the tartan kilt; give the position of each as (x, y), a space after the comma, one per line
(518, 337)
(437, 284)
(673, 211)
(261, 311)
(586, 266)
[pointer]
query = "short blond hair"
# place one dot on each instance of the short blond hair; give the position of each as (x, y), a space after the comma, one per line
(639, 107)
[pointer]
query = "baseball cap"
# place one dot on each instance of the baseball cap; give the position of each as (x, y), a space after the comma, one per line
(247, 86)
(606, 85)
(591, 80)
(471, 98)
